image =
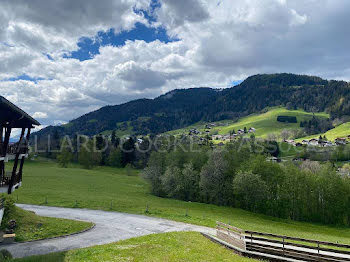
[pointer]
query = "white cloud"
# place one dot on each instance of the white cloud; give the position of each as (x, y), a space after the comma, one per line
(40, 115)
(219, 43)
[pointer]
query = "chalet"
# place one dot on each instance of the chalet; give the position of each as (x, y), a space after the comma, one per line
(210, 125)
(325, 143)
(274, 159)
(290, 142)
(194, 132)
(240, 132)
(340, 141)
(313, 142)
(305, 142)
(12, 117)
(252, 130)
(216, 137)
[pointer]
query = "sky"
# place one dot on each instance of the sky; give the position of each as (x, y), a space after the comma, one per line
(60, 59)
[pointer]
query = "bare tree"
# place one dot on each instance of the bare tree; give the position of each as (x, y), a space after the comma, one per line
(285, 134)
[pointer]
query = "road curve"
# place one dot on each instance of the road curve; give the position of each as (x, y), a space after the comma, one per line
(110, 227)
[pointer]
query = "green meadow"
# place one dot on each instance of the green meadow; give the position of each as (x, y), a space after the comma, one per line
(342, 130)
(105, 188)
(180, 246)
(265, 123)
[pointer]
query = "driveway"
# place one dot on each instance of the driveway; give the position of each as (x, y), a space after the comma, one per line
(110, 227)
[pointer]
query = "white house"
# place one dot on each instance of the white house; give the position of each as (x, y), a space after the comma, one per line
(252, 130)
(313, 142)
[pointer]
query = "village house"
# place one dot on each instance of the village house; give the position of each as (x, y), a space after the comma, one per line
(290, 142)
(340, 141)
(325, 143)
(274, 159)
(240, 132)
(313, 142)
(305, 142)
(216, 137)
(252, 130)
(194, 132)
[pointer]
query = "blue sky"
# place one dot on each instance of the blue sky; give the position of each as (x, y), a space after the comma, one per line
(24, 77)
(89, 47)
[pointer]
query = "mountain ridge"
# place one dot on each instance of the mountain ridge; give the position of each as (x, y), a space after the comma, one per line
(182, 107)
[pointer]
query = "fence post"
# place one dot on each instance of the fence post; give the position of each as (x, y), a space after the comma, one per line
(283, 246)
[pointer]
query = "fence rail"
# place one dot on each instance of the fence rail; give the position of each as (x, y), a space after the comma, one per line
(282, 246)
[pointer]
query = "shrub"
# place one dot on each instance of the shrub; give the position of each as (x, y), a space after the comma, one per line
(5, 254)
(9, 209)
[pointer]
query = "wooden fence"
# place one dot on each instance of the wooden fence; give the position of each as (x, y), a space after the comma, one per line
(251, 242)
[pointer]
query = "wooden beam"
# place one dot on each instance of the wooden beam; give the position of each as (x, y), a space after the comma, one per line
(22, 160)
(14, 170)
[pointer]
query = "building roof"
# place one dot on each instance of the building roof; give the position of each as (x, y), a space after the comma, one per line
(11, 115)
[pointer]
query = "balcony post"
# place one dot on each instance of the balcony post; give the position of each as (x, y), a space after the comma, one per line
(14, 170)
(22, 160)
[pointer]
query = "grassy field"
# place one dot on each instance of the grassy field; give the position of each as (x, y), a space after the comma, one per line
(342, 130)
(112, 189)
(264, 124)
(180, 246)
(31, 226)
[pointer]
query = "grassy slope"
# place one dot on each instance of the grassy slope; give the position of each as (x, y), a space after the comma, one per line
(342, 130)
(180, 246)
(265, 123)
(31, 226)
(111, 189)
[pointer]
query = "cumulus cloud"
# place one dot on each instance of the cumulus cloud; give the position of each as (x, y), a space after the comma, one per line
(40, 115)
(218, 42)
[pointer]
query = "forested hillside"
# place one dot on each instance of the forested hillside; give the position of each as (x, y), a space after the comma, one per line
(183, 107)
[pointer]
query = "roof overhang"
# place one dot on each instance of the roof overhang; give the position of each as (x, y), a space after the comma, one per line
(13, 116)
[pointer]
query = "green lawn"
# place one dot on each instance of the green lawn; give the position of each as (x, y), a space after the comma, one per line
(264, 124)
(180, 246)
(112, 189)
(31, 226)
(342, 130)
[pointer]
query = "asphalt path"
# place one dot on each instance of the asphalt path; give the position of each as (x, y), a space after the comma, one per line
(109, 227)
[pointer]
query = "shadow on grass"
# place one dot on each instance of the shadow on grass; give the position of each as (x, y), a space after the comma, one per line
(54, 257)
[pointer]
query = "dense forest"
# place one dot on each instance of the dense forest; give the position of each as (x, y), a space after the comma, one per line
(239, 175)
(183, 107)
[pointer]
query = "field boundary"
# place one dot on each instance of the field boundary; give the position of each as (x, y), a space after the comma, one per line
(281, 248)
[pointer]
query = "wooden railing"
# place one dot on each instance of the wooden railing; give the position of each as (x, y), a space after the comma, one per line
(283, 246)
(230, 234)
(12, 149)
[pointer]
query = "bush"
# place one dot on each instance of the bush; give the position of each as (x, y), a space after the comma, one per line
(9, 208)
(6, 255)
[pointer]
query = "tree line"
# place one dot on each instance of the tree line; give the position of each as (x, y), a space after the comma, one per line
(101, 150)
(237, 175)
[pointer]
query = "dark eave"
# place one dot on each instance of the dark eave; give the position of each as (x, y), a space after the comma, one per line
(14, 116)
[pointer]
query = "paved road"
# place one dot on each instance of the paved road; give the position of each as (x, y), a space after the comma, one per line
(110, 227)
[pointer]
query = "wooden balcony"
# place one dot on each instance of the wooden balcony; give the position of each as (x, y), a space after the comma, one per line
(11, 151)
(5, 181)
(11, 179)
